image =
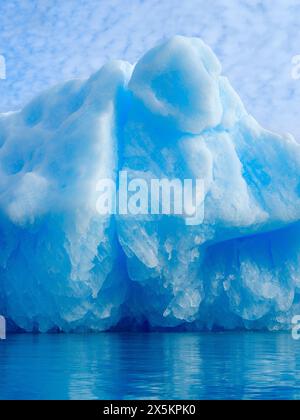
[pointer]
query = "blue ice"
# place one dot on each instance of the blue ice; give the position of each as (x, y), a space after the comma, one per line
(172, 115)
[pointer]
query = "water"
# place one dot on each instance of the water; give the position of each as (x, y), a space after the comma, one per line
(150, 366)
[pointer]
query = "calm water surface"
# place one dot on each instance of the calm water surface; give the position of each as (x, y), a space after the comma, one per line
(150, 366)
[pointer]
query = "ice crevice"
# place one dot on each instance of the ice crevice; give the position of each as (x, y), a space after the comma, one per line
(63, 267)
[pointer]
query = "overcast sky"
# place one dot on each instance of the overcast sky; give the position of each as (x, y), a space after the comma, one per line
(48, 41)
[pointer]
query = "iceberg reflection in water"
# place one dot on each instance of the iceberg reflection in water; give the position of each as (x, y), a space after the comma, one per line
(150, 366)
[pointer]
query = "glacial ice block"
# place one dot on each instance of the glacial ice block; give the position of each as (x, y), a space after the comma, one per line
(56, 252)
(172, 115)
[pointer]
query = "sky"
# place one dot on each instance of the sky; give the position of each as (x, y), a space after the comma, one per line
(45, 42)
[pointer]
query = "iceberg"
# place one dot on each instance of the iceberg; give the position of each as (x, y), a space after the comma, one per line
(173, 115)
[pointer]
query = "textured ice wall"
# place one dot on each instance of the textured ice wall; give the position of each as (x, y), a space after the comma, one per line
(173, 115)
(56, 253)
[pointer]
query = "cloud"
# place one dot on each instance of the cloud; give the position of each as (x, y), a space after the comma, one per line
(45, 42)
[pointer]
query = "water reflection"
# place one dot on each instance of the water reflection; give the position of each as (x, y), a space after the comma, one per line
(150, 366)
